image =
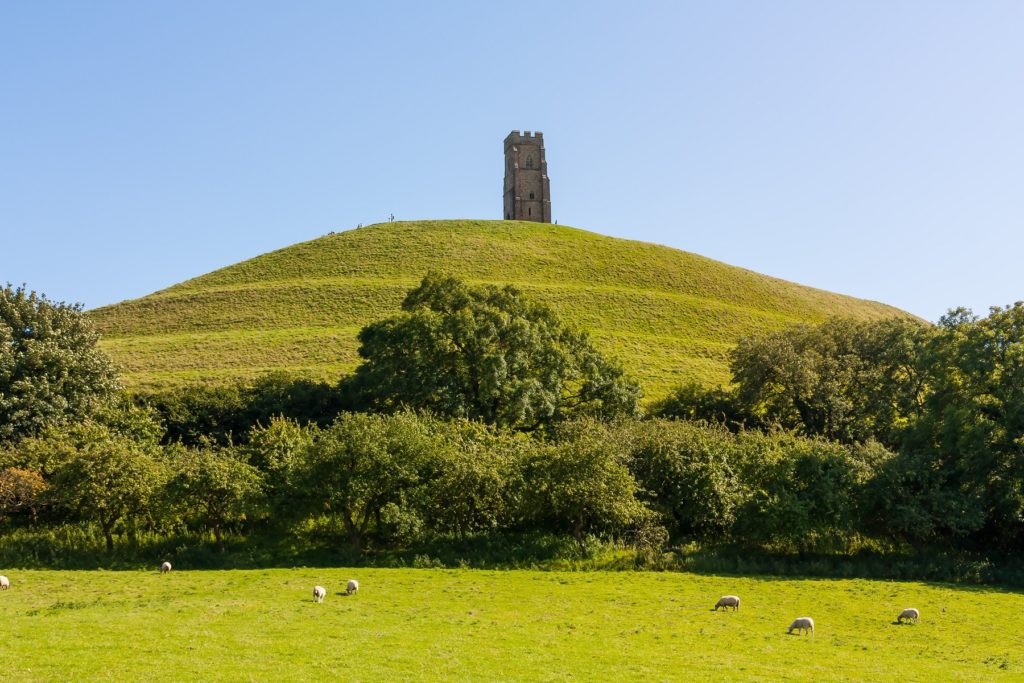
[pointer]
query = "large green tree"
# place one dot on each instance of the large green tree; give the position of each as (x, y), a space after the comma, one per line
(845, 380)
(487, 353)
(50, 369)
(971, 429)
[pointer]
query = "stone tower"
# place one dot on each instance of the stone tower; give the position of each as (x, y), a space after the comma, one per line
(527, 188)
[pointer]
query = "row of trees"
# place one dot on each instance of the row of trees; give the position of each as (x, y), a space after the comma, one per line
(948, 398)
(403, 478)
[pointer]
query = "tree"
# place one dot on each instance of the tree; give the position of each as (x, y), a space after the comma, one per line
(687, 472)
(971, 428)
(797, 489)
(107, 477)
(218, 487)
(279, 451)
(475, 478)
(488, 354)
(20, 490)
(582, 483)
(695, 402)
(50, 369)
(364, 463)
(225, 413)
(844, 380)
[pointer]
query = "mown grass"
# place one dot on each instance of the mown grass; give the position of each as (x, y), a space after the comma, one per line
(668, 315)
(437, 624)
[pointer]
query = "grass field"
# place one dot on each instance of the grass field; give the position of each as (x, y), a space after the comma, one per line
(436, 624)
(670, 316)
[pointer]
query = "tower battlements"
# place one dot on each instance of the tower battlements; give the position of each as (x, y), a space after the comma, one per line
(527, 190)
(516, 136)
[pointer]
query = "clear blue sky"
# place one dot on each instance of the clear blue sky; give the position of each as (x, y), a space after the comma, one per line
(871, 148)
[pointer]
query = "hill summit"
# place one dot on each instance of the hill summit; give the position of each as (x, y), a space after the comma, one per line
(668, 315)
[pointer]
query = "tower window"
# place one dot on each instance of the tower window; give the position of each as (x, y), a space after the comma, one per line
(531, 195)
(529, 212)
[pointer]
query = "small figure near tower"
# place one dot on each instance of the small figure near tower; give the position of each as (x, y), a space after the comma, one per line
(527, 188)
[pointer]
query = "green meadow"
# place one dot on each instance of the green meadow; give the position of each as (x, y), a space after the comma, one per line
(669, 316)
(476, 625)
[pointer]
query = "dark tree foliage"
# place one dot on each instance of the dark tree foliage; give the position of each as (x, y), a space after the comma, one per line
(693, 401)
(50, 369)
(971, 428)
(224, 414)
(490, 354)
(844, 380)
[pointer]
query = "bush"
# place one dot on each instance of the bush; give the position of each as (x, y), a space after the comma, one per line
(582, 483)
(687, 473)
(798, 490)
(363, 463)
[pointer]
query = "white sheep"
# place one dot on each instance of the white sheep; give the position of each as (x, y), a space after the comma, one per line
(727, 601)
(352, 587)
(803, 625)
(318, 593)
(5, 583)
(165, 567)
(910, 614)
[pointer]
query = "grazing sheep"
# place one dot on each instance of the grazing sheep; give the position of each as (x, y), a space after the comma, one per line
(352, 587)
(728, 601)
(910, 614)
(165, 567)
(318, 593)
(803, 625)
(5, 583)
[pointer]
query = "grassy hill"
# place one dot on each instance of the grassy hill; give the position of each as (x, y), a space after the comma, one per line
(668, 315)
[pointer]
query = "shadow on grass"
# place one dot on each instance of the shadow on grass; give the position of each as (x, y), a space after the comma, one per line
(81, 547)
(960, 571)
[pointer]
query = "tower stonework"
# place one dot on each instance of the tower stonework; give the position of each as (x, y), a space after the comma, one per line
(527, 188)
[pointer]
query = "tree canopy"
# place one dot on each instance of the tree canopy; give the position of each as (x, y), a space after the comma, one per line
(843, 379)
(50, 369)
(490, 354)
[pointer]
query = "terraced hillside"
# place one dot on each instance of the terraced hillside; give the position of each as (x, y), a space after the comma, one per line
(668, 315)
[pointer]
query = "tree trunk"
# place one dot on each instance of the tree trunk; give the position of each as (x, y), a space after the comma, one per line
(218, 537)
(109, 536)
(577, 533)
(354, 538)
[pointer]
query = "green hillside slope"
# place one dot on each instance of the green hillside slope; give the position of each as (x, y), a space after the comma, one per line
(668, 315)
